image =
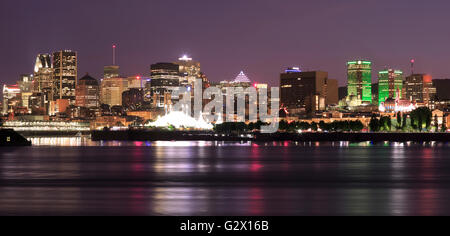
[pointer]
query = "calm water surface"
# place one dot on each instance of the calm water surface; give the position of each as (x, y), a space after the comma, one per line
(216, 178)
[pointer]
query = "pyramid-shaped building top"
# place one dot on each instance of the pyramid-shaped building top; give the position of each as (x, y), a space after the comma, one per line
(241, 78)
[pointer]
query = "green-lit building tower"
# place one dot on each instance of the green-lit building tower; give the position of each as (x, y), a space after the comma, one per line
(390, 82)
(360, 80)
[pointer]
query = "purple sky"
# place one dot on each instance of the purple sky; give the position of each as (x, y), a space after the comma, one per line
(261, 37)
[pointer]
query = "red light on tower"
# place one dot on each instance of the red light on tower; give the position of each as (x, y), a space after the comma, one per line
(412, 61)
(114, 46)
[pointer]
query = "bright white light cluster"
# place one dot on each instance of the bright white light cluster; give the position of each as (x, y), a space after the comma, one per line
(179, 120)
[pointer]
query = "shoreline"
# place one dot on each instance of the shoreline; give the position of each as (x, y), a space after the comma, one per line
(139, 135)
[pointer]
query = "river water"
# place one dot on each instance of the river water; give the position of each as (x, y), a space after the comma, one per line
(75, 176)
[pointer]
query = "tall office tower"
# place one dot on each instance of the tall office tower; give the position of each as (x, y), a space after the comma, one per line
(360, 80)
(303, 93)
(111, 90)
(11, 98)
(87, 92)
(390, 82)
(26, 89)
(189, 70)
(419, 88)
(164, 80)
(65, 75)
(111, 72)
(43, 74)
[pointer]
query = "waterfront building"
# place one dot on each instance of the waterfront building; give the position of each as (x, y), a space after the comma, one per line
(360, 80)
(419, 88)
(87, 92)
(389, 83)
(43, 126)
(65, 75)
(303, 93)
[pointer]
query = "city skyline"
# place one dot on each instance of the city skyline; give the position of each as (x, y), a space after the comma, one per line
(224, 50)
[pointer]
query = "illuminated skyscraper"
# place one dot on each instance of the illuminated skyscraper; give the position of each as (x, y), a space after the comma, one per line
(111, 89)
(419, 88)
(43, 74)
(164, 80)
(360, 80)
(65, 75)
(390, 82)
(111, 72)
(26, 89)
(11, 98)
(189, 70)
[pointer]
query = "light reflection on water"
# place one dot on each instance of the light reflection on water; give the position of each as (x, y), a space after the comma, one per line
(76, 176)
(86, 141)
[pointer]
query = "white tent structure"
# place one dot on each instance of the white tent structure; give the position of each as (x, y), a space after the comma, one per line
(179, 120)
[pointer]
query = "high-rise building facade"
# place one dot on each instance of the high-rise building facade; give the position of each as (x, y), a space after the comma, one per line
(26, 89)
(419, 88)
(111, 72)
(87, 92)
(111, 90)
(189, 70)
(65, 75)
(303, 92)
(360, 80)
(390, 84)
(164, 80)
(11, 98)
(43, 74)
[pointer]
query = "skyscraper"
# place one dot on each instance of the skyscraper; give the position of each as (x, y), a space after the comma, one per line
(43, 74)
(419, 88)
(360, 80)
(111, 72)
(189, 70)
(390, 82)
(303, 92)
(87, 92)
(11, 98)
(65, 75)
(164, 80)
(111, 90)
(26, 89)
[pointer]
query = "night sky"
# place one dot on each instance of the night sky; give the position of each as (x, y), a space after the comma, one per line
(261, 37)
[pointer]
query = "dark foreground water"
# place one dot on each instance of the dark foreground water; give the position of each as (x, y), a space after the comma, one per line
(209, 178)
